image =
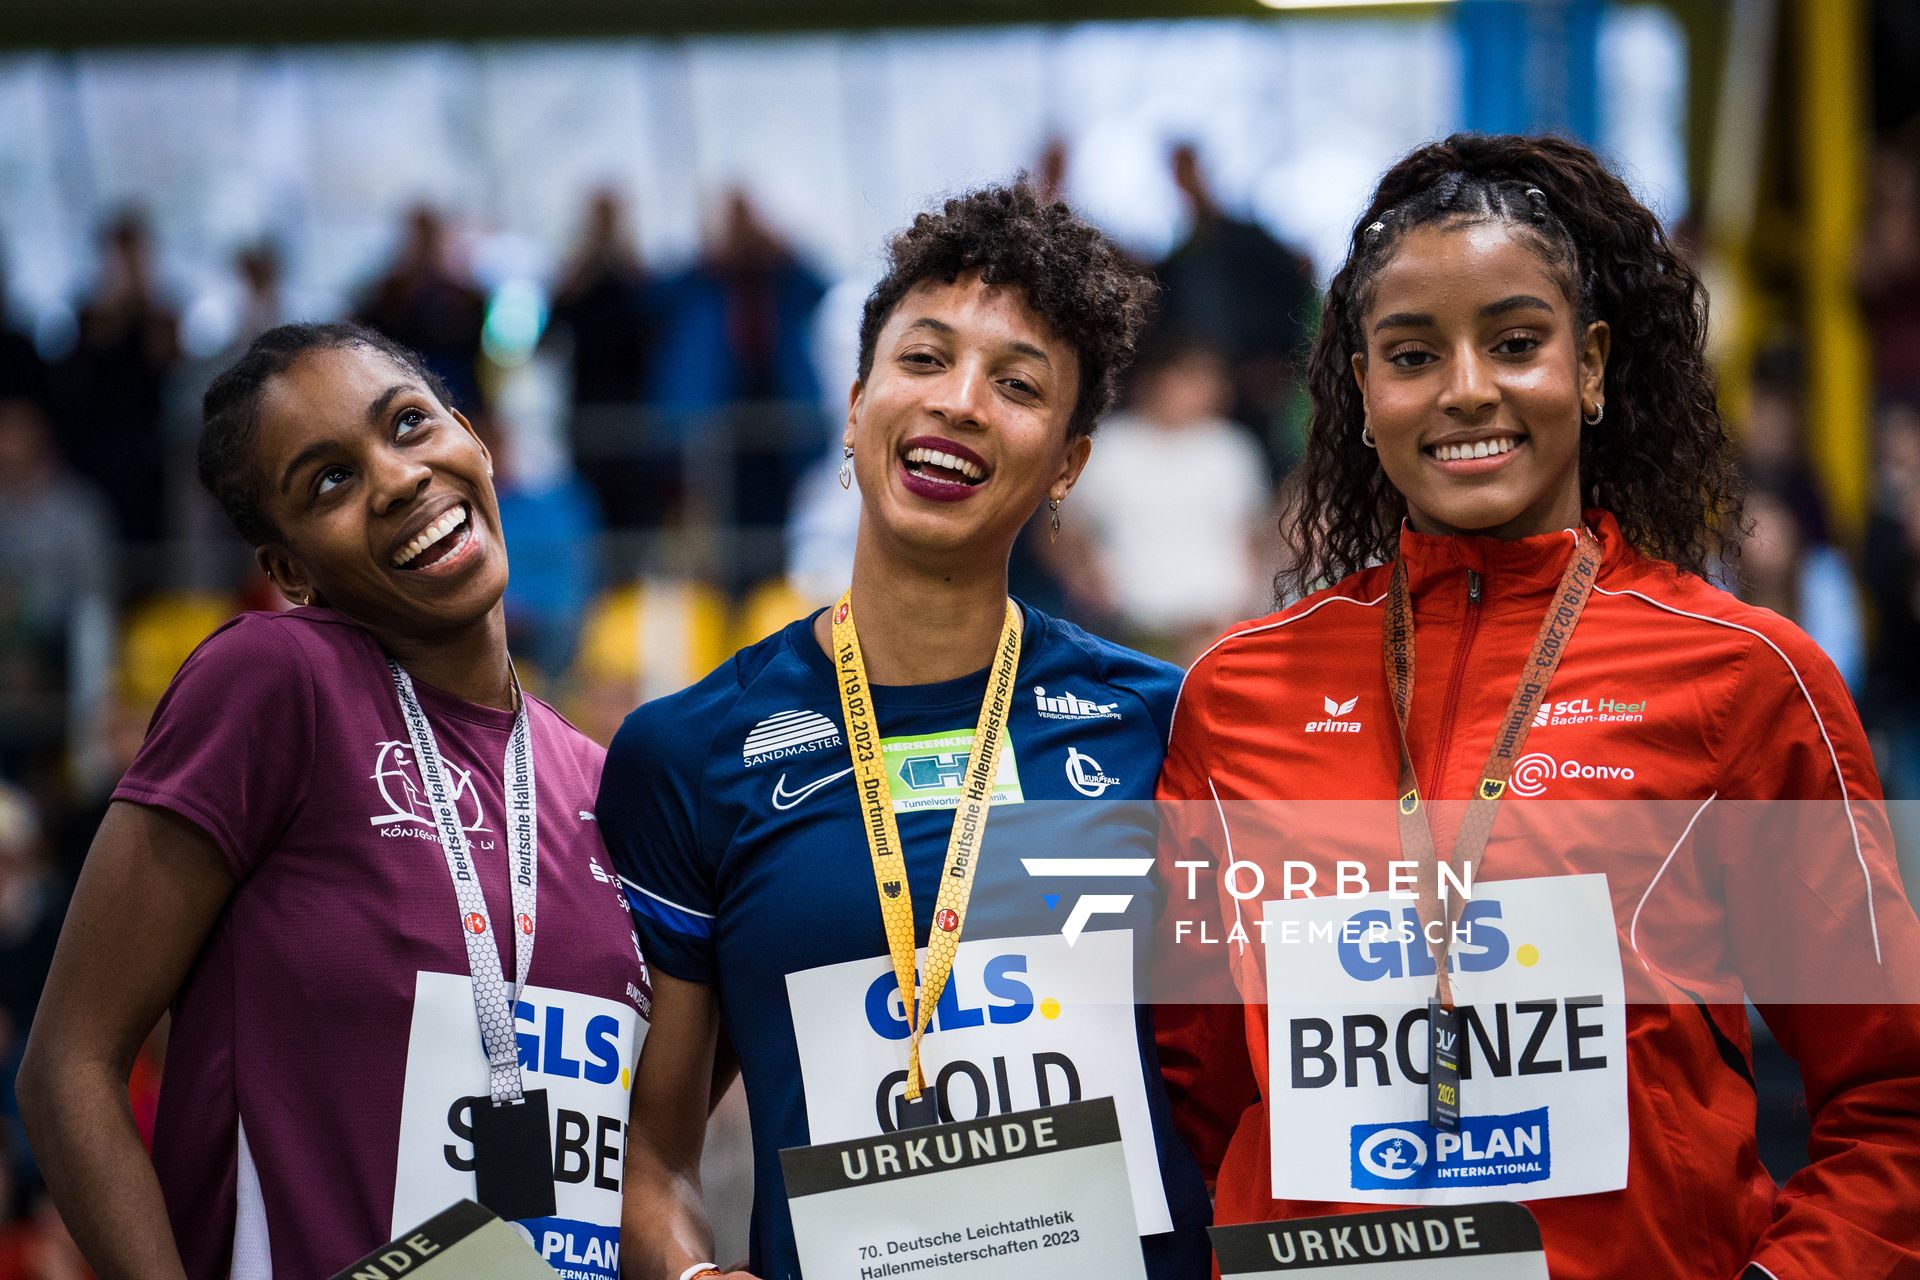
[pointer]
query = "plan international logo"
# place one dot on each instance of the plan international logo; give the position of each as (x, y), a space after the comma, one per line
(1486, 1151)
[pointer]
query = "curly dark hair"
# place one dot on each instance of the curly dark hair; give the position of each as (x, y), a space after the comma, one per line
(1662, 462)
(230, 411)
(1074, 277)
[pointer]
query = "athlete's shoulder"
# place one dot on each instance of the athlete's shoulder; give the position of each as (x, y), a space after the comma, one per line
(1671, 603)
(589, 755)
(1072, 653)
(255, 653)
(1323, 623)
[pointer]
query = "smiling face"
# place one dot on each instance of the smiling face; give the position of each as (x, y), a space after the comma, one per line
(960, 428)
(381, 496)
(1475, 376)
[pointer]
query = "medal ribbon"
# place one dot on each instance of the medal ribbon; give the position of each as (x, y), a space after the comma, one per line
(883, 832)
(493, 1003)
(1416, 837)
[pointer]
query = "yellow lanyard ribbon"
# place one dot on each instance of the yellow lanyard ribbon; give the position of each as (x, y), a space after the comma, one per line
(883, 832)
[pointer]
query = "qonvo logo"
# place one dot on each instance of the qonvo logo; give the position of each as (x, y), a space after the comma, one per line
(1487, 1151)
(1533, 771)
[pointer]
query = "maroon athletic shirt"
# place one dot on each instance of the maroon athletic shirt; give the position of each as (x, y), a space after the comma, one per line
(324, 1051)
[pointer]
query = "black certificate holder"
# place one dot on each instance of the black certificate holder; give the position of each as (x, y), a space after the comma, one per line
(513, 1156)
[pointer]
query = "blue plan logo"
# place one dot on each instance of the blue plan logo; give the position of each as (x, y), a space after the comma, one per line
(1488, 1151)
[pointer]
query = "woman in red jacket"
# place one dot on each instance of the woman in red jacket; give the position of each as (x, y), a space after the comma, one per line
(1646, 801)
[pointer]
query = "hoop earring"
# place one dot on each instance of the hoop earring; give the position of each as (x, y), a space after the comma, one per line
(846, 466)
(1053, 505)
(1366, 437)
(1599, 412)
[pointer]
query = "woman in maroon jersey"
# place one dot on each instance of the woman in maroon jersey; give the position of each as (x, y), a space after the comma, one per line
(347, 839)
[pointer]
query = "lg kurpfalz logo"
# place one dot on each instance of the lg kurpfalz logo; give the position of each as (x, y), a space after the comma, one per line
(1486, 1151)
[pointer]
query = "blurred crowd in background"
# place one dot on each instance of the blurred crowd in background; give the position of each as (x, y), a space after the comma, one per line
(683, 503)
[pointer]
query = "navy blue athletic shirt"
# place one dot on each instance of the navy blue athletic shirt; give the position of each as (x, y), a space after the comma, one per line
(729, 809)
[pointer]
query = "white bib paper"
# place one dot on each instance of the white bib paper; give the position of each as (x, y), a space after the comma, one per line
(1023, 1023)
(1543, 1113)
(1463, 1242)
(580, 1049)
(1031, 1196)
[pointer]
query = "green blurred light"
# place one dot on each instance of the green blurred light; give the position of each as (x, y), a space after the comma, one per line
(516, 317)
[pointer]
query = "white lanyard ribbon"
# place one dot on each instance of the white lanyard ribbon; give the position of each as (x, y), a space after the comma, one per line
(493, 1003)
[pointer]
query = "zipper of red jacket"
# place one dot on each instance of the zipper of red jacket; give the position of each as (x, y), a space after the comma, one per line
(1437, 782)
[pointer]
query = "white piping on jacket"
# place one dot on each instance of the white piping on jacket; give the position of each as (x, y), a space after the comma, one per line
(1633, 929)
(1846, 798)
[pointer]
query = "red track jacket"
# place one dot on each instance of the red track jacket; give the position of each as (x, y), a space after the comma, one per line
(1675, 711)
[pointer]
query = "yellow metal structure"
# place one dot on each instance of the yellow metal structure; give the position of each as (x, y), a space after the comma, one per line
(1827, 38)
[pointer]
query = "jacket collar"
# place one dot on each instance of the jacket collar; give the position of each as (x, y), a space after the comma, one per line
(1512, 572)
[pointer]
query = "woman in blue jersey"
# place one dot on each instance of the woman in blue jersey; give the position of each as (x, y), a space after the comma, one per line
(755, 855)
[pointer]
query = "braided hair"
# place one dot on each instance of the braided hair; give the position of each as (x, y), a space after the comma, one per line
(1661, 463)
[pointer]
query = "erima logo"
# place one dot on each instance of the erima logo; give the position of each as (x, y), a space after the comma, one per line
(1533, 771)
(1488, 1151)
(1335, 710)
(1065, 706)
(1092, 904)
(791, 733)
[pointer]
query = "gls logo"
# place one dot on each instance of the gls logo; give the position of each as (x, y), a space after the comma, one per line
(1487, 1151)
(1009, 1001)
(1374, 945)
(989, 1083)
(397, 775)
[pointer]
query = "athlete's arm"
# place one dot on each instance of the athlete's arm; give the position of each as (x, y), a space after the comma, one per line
(663, 1220)
(1829, 952)
(151, 890)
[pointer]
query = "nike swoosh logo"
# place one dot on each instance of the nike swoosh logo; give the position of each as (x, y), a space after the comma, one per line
(784, 799)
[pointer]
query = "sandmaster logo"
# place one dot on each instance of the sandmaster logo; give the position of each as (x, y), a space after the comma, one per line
(1487, 1151)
